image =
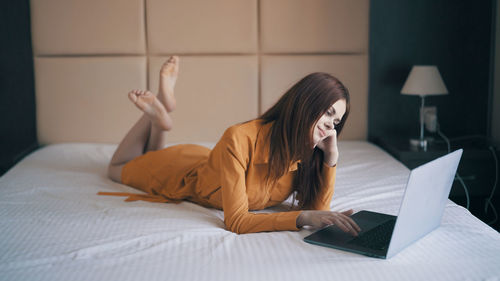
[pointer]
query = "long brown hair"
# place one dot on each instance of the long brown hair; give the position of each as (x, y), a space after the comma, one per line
(294, 116)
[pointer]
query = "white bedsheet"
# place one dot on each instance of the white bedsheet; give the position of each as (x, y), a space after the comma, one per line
(53, 226)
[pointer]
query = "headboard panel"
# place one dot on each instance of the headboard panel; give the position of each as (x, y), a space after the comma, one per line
(202, 27)
(237, 58)
(88, 27)
(83, 99)
(319, 26)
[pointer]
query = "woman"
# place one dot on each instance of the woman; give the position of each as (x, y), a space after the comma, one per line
(257, 164)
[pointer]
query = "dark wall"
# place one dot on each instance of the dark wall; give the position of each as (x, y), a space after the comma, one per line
(455, 36)
(17, 95)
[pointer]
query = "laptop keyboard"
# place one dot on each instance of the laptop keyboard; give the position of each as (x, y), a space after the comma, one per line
(376, 238)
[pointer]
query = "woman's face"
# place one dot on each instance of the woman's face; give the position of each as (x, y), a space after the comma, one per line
(327, 123)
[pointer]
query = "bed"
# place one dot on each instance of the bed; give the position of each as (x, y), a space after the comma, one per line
(54, 226)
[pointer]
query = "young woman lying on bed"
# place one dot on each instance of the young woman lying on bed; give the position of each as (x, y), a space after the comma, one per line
(257, 164)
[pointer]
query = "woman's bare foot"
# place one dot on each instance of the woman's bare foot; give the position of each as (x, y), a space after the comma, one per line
(152, 107)
(168, 76)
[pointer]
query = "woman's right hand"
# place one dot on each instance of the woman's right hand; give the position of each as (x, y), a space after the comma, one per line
(318, 219)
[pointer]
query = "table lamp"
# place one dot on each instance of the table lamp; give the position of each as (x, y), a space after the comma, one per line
(423, 80)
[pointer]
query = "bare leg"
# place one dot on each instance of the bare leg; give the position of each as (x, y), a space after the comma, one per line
(149, 132)
(140, 138)
(168, 77)
(130, 147)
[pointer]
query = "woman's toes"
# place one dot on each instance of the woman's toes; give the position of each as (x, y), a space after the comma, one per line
(132, 96)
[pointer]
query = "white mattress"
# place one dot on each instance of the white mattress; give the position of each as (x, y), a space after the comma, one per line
(53, 226)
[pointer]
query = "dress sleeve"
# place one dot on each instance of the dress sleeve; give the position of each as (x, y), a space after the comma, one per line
(325, 196)
(232, 156)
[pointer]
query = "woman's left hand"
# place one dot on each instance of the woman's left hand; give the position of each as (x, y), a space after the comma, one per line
(329, 147)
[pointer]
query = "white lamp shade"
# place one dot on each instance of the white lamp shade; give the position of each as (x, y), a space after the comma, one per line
(424, 80)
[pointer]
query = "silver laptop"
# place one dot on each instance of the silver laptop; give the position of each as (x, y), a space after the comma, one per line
(383, 236)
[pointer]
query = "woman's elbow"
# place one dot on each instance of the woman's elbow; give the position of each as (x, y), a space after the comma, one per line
(234, 226)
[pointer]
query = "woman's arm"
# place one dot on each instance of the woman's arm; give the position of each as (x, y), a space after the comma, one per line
(321, 215)
(328, 173)
(330, 149)
(325, 194)
(232, 157)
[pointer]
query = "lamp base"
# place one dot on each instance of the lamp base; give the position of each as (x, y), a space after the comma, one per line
(418, 144)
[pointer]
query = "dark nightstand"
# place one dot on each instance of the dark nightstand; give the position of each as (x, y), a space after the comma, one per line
(476, 168)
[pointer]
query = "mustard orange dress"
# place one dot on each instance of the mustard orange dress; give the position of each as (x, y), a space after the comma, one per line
(230, 177)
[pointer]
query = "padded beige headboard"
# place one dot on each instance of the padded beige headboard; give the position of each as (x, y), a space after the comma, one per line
(237, 58)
